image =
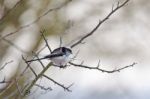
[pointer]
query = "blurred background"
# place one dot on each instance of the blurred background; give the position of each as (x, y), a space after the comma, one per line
(120, 41)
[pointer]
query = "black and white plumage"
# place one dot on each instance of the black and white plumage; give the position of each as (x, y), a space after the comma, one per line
(59, 56)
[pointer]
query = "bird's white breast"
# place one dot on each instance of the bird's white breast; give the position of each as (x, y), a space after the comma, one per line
(60, 61)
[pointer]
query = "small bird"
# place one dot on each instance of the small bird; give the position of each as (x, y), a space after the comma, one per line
(59, 56)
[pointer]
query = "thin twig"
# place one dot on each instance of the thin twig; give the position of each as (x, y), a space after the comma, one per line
(42, 33)
(99, 24)
(61, 85)
(44, 88)
(102, 70)
(98, 63)
(41, 74)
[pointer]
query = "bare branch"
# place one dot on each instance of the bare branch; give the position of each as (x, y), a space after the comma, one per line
(98, 63)
(36, 20)
(61, 85)
(42, 32)
(102, 70)
(28, 87)
(99, 24)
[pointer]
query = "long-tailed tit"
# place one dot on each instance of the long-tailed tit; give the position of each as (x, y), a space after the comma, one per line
(59, 56)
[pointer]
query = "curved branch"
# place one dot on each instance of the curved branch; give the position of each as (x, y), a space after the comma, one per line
(100, 22)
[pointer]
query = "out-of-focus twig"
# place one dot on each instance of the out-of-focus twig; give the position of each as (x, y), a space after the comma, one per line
(18, 88)
(9, 11)
(5, 64)
(13, 45)
(37, 19)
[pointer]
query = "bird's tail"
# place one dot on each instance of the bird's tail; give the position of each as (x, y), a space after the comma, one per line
(36, 59)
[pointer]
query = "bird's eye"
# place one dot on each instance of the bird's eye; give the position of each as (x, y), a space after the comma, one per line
(63, 50)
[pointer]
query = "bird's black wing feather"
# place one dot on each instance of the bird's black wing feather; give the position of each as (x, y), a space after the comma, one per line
(54, 55)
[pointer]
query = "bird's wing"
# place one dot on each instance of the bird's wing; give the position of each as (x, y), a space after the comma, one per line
(54, 55)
